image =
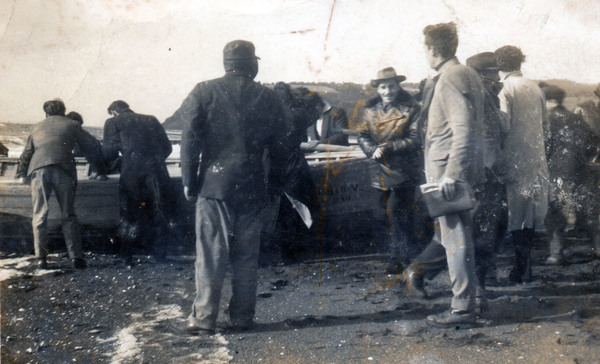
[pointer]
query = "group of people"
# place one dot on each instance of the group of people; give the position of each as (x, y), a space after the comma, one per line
(135, 144)
(507, 138)
(481, 125)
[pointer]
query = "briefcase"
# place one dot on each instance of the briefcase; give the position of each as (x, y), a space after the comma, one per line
(437, 205)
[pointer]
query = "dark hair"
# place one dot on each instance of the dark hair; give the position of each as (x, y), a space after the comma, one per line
(54, 107)
(118, 106)
(311, 97)
(75, 116)
(443, 38)
(509, 58)
(552, 92)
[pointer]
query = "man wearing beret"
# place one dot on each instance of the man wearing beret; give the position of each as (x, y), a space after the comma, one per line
(228, 125)
(573, 179)
(490, 215)
(455, 121)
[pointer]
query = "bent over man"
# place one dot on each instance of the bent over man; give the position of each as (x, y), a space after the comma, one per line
(144, 185)
(228, 123)
(48, 161)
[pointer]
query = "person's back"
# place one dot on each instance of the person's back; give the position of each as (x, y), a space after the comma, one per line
(525, 105)
(138, 138)
(145, 191)
(240, 120)
(54, 140)
(231, 129)
(47, 162)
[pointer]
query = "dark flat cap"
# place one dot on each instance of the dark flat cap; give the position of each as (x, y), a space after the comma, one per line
(387, 73)
(239, 50)
(553, 92)
(483, 61)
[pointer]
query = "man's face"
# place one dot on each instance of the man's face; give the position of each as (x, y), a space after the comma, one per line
(551, 104)
(388, 90)
(431, 56)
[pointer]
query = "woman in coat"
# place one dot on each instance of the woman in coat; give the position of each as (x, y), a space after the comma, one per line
(525, 168)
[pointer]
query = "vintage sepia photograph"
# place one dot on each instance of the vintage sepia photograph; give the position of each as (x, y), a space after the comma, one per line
(299, 181)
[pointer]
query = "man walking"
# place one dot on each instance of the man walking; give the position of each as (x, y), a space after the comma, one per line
(144, 185)
(48, 162)
(228, 124)
(455, 119)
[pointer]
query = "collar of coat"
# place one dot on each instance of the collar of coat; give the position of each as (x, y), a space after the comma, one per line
(511, 74)
(447, 64)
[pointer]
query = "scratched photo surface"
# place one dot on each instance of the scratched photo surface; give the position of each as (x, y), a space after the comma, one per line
(326, 290)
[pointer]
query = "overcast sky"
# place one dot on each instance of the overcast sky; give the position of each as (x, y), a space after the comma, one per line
(151, 53)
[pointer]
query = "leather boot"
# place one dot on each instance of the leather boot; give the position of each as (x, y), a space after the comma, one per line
(521, 271)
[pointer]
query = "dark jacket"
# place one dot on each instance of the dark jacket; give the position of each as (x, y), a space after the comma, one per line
(230, 122)
(334, 121)
(571, 146)
(52, 142)
(493, 137)
(141, 140)
(396, 128)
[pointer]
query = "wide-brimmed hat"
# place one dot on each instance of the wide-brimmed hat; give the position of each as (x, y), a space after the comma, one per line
(239, 50)
(387, 73)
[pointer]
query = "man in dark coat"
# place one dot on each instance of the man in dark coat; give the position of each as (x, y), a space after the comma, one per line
(283, 236)
(574, 179)
(490, 213)
(48, 162)
(144, 186)
(96, 170)
(228, 124)
(329, 127)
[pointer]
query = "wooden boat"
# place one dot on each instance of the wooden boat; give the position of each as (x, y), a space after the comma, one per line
(341, 173)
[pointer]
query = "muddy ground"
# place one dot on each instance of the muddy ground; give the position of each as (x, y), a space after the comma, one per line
(338, 309)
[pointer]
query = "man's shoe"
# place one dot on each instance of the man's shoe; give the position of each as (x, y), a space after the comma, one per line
(415, 286)
(554, 260)
(189, 329)
(481, 305)
(458, 319)
(41, 263)
(240, 327)
(78, 263)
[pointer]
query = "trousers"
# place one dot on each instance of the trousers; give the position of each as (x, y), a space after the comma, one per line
(45, 181)
(226, 232)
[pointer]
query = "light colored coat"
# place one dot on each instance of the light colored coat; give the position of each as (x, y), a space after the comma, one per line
(454, 137)
(524, 159)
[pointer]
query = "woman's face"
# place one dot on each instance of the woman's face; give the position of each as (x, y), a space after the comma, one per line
(388, 90)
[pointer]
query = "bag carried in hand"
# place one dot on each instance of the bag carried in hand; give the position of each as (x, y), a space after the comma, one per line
(437, 205)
